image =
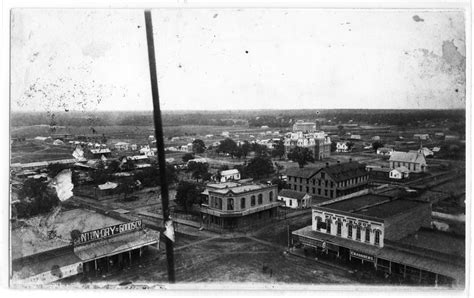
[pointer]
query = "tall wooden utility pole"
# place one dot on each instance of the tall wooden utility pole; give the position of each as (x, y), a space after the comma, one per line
(160, 144)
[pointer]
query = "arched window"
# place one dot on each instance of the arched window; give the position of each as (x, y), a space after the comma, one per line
(328, 226)
(377, 237)
(339, 228)
(270, 196)
(358, 233)
(252, 201)
(260, 199)
(319, 223)
(230, 204)
(367, 234)
(349, 230)
(242, 203)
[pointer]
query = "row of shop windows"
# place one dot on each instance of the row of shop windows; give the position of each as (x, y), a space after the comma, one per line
(350, 229)
(216, 202)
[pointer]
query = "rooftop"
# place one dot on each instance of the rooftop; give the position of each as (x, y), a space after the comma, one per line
(415, 157)
(344, 171)
(230, 172)
(353, 204)
(292, 194)
(390, 209)
(303, 173)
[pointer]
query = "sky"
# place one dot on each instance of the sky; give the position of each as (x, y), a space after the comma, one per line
(222, 59)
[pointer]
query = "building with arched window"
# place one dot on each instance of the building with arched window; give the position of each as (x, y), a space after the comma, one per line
(232, 205)
(389, 234)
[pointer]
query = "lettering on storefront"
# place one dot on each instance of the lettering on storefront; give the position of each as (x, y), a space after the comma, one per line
(362, 256)
(102, 233)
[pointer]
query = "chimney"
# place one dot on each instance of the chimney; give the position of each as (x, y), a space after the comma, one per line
(327, 165)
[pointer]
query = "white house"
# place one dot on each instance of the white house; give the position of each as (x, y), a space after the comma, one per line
(415, 162)
(121, 146)
(134, 146)
(342, 147)
(225, 134)
(356, 137)
(385, 151)
(229, 175)
(421, 136)
(294, 199)
(399, 173)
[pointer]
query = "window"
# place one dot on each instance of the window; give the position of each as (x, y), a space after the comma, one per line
(260, 199)
(325, 192)
(270, 196)
(307, 189)
(314, 190)
(320, 224)
(294, 187)
(358, 233)
(323, 175)
(242, 203)
(301, 188)
(307, 180)
(319, 182)
(332, 184)
(339, 228)
(319, 191)
(230, 204)
(301, 180)
(331, 193)
(349, 230)
(314, 181)
(367, 235)
(328, 223)
(326, 183)
(291, 202)
(252, 201)
(377, 237)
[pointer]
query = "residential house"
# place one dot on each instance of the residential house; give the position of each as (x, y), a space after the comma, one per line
(294, 199)
(421, 136)
(122, 146)
(385, 151)
(230, 175)
(414, 161)
(342, 147)
(399, 173)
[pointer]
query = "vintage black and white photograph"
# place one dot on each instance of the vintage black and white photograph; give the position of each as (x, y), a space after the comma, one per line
(240, 146)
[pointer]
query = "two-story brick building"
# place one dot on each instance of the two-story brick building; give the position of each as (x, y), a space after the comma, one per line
(330, 181)
(390, 234)
(232, 205)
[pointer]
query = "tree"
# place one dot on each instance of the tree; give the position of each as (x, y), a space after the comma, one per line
(35, 198)
(187, 194)
(333, 146)
(350, 145)
(301, 155)
(260, 150)
(246, 148)
(55, 168)
(279, 149)
(259, 166)
(198, 169)
(376, 145)
(227, 146)
(340, 129)
(187, 157)
(199, 146)
(280, 183)
(114, 166)
(75, 235)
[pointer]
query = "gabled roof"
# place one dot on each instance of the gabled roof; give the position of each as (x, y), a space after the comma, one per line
(344, 171)
(288, 193)
(413, 157)
(401, 169)
(302, 173)
(229, 172)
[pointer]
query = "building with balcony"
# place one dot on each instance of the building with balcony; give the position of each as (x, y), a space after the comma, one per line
(387, 233)
(238, 206)
(329, 182)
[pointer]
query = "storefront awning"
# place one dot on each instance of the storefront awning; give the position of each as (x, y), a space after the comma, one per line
(111, 246)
